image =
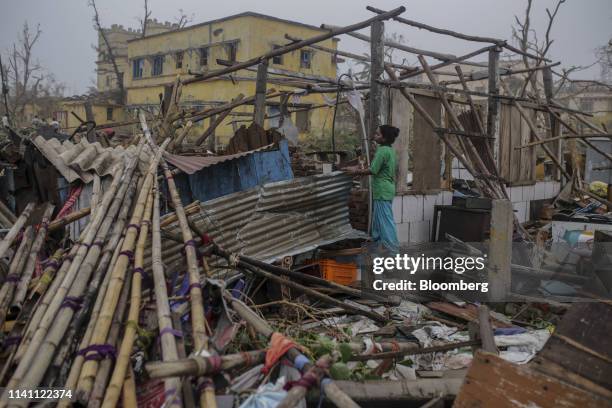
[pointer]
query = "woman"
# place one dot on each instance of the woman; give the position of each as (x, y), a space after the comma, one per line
(383, 169)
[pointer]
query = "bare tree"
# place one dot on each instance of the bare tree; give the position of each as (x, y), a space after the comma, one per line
(145, 20)
(108, 54)
(183, 18)
(528, 41)
(604, 58)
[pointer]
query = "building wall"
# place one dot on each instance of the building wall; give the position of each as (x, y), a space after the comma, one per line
(99, 112)
(254, 36)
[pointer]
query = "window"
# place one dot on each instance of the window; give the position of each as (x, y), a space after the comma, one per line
(137, 68)
(232, 50)
(109, 113)
(108, 81)
(158, 65)
(179, 59)
(301, 121)
(586, 105)
(305, 59)
(278, 60)
(203, 57)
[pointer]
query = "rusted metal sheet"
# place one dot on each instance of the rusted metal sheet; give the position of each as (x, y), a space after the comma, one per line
(494, 382)
(278, 219)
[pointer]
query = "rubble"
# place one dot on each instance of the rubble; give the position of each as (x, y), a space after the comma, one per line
(168, 296)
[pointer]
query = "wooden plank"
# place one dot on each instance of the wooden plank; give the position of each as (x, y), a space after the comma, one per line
(500, 250)
(582, 343)
(494, 382)
(493, 102)
(426, 147)
(260, 93)
(402, 115)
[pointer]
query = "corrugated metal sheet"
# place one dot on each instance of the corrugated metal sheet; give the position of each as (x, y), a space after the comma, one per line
(191, 164)
(80, 160)
(281, 218)
(240, 174)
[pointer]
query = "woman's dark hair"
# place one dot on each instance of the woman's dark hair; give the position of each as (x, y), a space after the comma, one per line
(389, 133)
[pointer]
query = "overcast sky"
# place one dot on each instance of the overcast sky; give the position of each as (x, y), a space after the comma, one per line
(65, 47)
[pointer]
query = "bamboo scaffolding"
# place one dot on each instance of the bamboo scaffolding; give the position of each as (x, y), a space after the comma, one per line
(335, 394)
(14, 273)
(8, 239)
(28, 270)
(291, 47)
(109, 305)
(506, 72)
(164, 314)
(121, 370)
(178, 140)
(198, 321)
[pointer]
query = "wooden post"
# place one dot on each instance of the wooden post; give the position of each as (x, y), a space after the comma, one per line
(551, 122)
(493, 103)
(500, 250)
(377, 67)
(260, 93)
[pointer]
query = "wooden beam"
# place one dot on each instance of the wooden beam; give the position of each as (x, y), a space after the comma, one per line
(498, 42)
(260, 93)
(217, 121)
(284, 72)
(377, 67)
(500, 250)
(455, 60)
(403, 47)
(347, 54)
(504, 72)
(295, 46)
(493, 104)
(582, 140)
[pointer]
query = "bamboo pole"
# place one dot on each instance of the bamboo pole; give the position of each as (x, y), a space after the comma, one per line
(121, 370)
(198, 321)
(106, 364)
(198, 366)
(178, 141)
(128, 392)
(28, 270)
(100, 278)
(52, 330)
(8, 239)
(576, 133)
(8, 214)
(14, 273)
(335, 394)
(79, 359)
(164, 314)
(48, 274)
(70, 218)
(314, 373)
(109, 305)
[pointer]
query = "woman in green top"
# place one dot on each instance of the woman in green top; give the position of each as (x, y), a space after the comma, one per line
(383, 169)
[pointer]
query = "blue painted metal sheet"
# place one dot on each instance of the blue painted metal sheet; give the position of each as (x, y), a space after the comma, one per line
(235, 175)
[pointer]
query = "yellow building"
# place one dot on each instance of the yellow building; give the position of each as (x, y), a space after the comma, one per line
(104, 110)
(156, 60)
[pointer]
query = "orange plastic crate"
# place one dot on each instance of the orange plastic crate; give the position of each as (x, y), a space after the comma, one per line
(342, 273)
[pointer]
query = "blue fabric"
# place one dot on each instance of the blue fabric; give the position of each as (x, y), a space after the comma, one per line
(383, 225)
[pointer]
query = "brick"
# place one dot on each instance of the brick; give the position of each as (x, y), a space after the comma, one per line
(403, 232)
(397, 209)
(419, 231)
(412, 208)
